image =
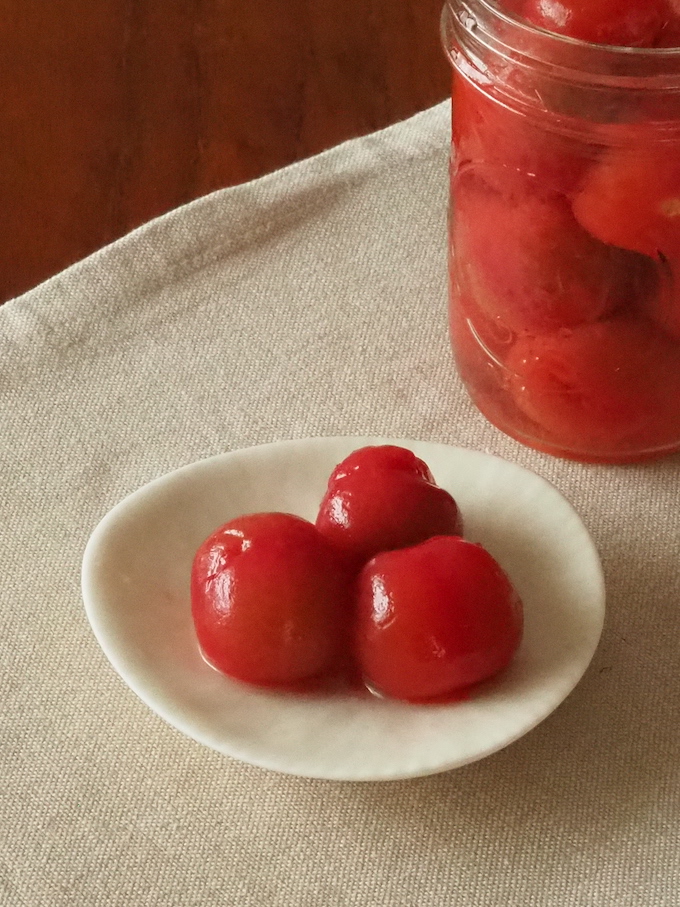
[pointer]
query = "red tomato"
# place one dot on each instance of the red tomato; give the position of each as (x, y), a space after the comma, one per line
(434, 619)
(625, 23)
(511, 149)
(600, 385)
(383, 456)
(631, 198)
(530, 265)
(381, 498)
(269, 600)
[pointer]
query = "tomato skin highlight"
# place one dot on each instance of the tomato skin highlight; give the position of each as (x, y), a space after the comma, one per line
(435, 619)
(270, 600)
(378, 501)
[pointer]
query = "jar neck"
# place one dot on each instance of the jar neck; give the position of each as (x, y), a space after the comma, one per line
(526, 67)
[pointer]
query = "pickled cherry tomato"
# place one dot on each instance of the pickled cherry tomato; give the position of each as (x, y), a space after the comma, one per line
(511, 148)
(631, 198)
(529, 264)
(625, 23)
(434, 619)
(600, 384)
(388, 457)
(270, 600)
(381, 498)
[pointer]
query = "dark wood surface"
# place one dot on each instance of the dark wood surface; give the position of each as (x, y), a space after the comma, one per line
(115, 111)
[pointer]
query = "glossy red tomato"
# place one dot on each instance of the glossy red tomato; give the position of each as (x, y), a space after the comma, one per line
(381, 498)
(384, 457)
(508, 148)
(626, 23)
(530, 265)
(600, 385)
(269, 600)
(631, 198)
(434, 619)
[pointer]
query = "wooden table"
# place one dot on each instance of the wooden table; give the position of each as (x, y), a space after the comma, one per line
(115, 111)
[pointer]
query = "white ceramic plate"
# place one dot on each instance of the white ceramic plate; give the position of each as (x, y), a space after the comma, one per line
(136, 574)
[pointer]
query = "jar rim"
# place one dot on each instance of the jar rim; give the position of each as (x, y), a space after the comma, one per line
(485, 24)
(569, 86)
(623, 51)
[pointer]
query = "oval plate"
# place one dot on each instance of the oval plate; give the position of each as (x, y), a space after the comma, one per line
(135, 581)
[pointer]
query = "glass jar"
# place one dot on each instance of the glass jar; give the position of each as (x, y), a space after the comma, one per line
(564, 248)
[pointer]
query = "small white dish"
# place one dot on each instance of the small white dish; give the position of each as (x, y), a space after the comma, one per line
(135, 581)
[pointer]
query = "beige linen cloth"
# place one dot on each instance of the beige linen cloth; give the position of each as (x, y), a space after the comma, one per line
(311, 302)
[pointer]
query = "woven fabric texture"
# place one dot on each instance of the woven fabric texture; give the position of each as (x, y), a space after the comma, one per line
(311, 302)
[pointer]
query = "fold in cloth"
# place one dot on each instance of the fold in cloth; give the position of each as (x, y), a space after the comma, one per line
(310, 302)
